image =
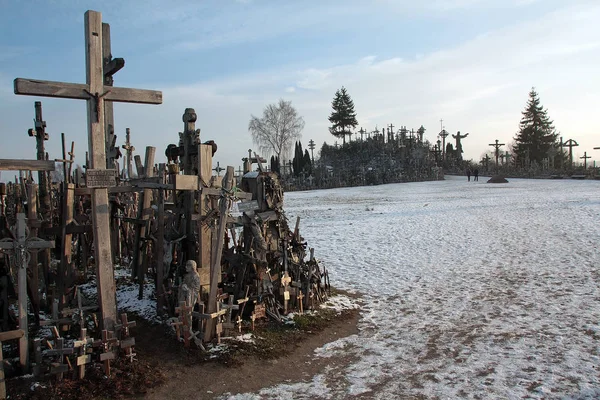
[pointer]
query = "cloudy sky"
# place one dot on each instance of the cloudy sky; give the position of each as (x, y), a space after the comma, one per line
(410, 63)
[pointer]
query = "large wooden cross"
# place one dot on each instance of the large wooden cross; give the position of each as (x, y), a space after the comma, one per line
(570, 144)
(496, 147)
(585, 158)
(20, 247)
(95, 94)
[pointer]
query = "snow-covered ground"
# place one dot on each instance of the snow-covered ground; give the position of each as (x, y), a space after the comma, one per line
(471, 290)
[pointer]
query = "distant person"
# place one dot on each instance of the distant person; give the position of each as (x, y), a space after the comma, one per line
(469, 174)
(476, 175)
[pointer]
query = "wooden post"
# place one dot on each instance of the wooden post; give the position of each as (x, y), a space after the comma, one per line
(66, 238)
(189, 132)
(160, 249)
(205, 232)
(22, 279)
(129, 149)
(4, 336)
(94, 93)
(144, 214)
(109, 120)
(215, 268)
(97, 150)
(33, 261)
(40, 136)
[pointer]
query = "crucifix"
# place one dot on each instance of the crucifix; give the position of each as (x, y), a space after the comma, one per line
(20, 245)
(570, 144)
(585, 158)
(486, 161)
(39, 132)
(99, 178)
(362, 133)
(496, 151)
(443, 134)
(390, 132)
(129, 149)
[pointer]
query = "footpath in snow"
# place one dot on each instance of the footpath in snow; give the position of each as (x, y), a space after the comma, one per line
(471, 290)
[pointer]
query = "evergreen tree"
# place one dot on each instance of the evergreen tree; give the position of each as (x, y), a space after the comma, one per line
(537, 134)
(307, 163)
(298, 161)
(343, 116)
(275, 166)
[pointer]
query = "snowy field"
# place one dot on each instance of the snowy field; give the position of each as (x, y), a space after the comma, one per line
(471, 290)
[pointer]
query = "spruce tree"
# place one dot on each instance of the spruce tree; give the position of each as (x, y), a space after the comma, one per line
(343, 116)
(298, 161)
(307, 163)
(537, 134)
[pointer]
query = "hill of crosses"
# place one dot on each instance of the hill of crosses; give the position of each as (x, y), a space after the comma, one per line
(202, 254)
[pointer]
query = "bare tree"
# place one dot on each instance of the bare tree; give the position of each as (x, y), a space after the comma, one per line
(277, 130)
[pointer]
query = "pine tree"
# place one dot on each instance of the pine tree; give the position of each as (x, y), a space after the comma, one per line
(307, 163)
(275, 167)
(298, 161)
(537, 134)
(343, 116)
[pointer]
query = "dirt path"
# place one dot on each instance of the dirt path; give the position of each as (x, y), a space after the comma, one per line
(209, 380)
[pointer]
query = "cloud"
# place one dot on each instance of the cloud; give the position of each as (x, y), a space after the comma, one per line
(479, 86)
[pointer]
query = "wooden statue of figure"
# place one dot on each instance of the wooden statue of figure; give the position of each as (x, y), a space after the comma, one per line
(190, 287)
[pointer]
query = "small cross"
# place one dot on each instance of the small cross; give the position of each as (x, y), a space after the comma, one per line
(218, 169)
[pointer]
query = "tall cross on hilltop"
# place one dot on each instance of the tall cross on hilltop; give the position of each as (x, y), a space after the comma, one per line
(95, 92)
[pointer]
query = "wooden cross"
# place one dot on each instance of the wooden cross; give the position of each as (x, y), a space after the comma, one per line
(129, 149)
(20, 246)
(218, 169)
(107, 345)
(126, 341)
(94, 93)
(39, 132)
(83, 358)
(570, 144)
(228, 324)
(390, 132)
(59, 368)
(585, 158)
(487, 161)
(215, 266)
(176, 323)
(238, 322)
(496, 151)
